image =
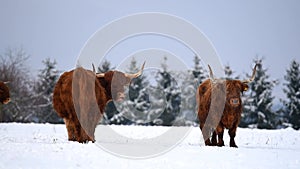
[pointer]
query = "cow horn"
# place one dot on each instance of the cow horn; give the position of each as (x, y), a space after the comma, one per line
(100, 74)
(253, 75)
(94, 70)
(135, 75)
(211, 73)
(97, 74)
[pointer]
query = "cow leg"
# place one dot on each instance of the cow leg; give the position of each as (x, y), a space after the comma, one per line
(92, 135)
(220, 139)
(232, 133)
(207, 142)
(82, 132)
(94, 125)
(206, 134)
(92, 128)
(220, 133)
(84, 136)
(71, 129)
(88, 134)
(78, 134)
(214, 139)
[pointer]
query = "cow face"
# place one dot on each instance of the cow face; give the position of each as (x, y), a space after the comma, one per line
(115, 82)
(234, 88)
(4, 93)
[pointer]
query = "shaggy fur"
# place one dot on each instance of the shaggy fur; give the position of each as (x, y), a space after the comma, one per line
(80, 97)
(4, 93)
(231, 111)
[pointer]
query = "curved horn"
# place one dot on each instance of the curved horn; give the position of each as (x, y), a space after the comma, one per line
(252, 77)
(211, 73)
(6, 82)
(135, 75)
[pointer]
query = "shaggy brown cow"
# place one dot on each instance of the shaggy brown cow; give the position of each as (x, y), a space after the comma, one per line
(80, 97)
(4, 93)
(225, 110)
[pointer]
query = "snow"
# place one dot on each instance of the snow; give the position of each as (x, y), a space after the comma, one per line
(46, 146)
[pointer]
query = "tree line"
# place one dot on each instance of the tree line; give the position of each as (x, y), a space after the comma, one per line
(31, 98)
(164, 101)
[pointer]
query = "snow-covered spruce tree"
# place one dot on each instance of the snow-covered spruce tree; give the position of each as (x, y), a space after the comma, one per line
(292, 91)
(43, 90)
(105, 67)
(257, 106)
(229, 73)
(192, 79)
(187, 115)
(198, 72)
(137, 85)
(172, 94)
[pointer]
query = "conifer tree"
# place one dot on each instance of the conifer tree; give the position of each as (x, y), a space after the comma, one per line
(257, 107)
(172, 95)
(229, 73)
(47, 79)
(292, 91)
(192, 79)
(198, 71)
(105, 67)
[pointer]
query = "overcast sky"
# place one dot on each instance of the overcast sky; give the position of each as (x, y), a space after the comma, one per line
(239, 30)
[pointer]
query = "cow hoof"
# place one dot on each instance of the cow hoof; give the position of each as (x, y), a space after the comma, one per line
(214, 143)
(83, 141)
(208, 143)
(72, 139)
(221, 144)
(234, 145)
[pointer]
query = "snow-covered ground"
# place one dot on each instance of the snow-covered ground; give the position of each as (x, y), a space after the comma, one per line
(46, 146)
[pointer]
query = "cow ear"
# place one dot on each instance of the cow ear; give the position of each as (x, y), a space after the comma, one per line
(245, 87)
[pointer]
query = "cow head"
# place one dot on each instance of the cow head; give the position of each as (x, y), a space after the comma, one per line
(4, 93)
(234, 88)
(115, 81)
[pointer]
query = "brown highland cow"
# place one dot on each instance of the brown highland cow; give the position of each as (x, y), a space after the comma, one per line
(81, 95)
(219, 107)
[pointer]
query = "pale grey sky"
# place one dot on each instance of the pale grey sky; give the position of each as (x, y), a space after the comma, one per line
(239, 30)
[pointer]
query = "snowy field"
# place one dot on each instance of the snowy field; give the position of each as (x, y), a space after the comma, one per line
(46, 146)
